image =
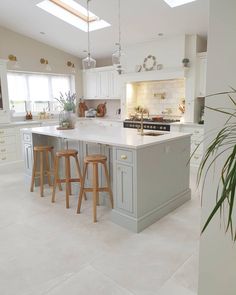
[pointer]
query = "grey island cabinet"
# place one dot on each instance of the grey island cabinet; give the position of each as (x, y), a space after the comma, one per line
(149, 174)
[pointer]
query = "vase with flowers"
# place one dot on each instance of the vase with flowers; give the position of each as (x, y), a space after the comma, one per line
(67, 117)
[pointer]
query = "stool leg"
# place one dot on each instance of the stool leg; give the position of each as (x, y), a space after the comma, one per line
(108, 184)
(56, 161)
(33, 172)
(56, 175)
(48, 168)
(67, 167)
(79, 173)
(82, 187)
(69, 173)
(41, 174)
(95, 191)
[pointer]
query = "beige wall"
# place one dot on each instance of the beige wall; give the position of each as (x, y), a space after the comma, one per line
(217, 251)
(29, 51)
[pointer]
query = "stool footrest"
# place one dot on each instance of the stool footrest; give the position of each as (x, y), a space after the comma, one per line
(70, 180)
(99, 189)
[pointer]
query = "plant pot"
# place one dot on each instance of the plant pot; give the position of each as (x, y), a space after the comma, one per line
(67, 119)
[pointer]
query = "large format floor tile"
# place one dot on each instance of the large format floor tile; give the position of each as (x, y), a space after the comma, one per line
(46, 249)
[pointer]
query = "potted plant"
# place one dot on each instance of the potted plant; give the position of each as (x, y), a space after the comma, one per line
(67, 116)
(185, 62)
(223, 144)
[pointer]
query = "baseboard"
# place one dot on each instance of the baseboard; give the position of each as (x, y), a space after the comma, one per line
(138, 224)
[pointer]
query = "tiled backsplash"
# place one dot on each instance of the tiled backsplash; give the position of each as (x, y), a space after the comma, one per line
(157, 96)
(112, 106)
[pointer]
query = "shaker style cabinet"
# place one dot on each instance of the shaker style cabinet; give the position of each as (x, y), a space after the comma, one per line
(101, 83)
(4, 103)
(201, 74)
(124, 189)
(197, 137)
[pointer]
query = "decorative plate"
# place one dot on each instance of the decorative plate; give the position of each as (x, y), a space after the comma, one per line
(149, 63)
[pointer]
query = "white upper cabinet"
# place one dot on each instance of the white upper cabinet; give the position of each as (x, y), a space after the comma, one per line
(101, 83)
(90, 84)
(4, 102)
(201, 74)
(103, 89)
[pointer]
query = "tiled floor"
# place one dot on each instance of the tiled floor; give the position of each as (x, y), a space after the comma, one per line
(46, 249)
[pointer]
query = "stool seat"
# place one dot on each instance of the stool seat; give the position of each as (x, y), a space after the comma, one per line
(67, 153)
(96, 158)
(43, 148)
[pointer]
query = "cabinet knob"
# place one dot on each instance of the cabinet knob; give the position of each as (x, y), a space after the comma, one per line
(1, 132)
(3, 159)
(123, 157)
(2, 141)
(196, 157)
(3, 150)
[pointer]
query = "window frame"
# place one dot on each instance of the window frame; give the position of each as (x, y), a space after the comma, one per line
(50, 76)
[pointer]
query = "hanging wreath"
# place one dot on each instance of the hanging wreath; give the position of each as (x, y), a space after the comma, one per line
(149, 63)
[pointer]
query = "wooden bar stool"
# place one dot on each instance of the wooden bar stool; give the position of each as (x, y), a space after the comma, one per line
(95, 160)
(42, 151)
(66, 154)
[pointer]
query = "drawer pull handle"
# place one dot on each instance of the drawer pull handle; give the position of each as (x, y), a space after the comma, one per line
(2, 141)
(123, 157)
(1, 132)
(3, 150)
(3, 159)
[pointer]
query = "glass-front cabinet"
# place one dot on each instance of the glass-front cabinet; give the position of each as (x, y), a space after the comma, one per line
(4, 102)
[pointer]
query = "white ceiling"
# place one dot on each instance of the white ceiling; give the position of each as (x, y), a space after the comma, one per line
(142, 20)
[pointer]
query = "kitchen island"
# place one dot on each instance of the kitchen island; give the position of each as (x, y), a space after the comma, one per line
(149, 174)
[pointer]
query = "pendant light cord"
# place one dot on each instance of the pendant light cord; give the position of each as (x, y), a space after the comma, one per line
(88, 28)
(119, 20)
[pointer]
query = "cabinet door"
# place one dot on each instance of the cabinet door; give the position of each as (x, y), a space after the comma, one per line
(4, 101)
(124, 189)
(104, 84)
(28, 157)
(114, 91)
(202, 68)
(90, 85)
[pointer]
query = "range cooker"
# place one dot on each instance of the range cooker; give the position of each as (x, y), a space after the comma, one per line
(149, 124)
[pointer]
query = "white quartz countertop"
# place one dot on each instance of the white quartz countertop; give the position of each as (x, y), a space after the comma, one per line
(26, 122)
(113, 136)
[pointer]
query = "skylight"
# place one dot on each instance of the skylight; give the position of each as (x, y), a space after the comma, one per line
(175, 3)
(73, 13)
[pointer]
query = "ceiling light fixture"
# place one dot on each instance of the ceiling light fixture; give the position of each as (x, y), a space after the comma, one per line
(118, 56)
(88, 62)
(73, 13)
(175, 3)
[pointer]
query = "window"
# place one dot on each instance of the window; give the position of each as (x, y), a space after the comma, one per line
(36, 92)
(73, 13)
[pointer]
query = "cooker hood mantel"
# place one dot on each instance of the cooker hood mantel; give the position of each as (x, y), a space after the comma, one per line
(158, 75)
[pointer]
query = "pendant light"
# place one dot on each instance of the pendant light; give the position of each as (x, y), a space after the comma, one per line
(118, 57)
(88, 62)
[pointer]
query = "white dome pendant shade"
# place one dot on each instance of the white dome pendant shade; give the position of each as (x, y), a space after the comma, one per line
(88, 62)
